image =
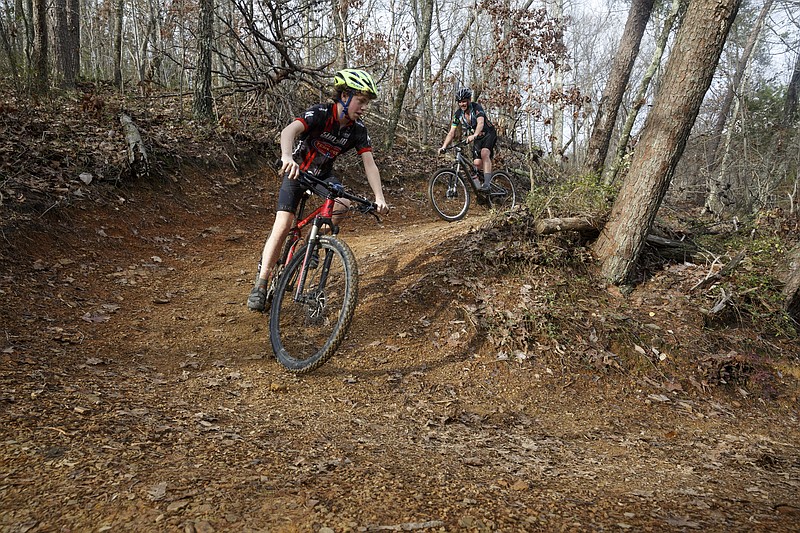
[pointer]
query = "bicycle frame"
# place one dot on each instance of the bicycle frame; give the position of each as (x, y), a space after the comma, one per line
(321, 216)
(469, 167)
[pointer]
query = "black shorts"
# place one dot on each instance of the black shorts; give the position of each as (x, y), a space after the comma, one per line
(485, 141)
(292, 191)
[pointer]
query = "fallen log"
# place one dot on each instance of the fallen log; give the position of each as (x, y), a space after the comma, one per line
(548, 226)
(670, 248)
(137, 154)
(589, 227)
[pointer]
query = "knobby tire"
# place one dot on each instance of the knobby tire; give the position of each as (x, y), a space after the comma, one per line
(305, 334)
(449, 195)
(502, 195)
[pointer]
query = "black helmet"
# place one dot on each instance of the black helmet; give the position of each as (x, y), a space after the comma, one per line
(463, 94)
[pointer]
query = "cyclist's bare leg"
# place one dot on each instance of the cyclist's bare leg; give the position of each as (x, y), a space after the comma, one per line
(342, 206)
(272, 248)
(269, 256)
(486, 160)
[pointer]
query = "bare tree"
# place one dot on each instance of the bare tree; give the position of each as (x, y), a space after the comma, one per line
(610, 174)
(339, 9)
(557, 136)
(423, 35)
(67, 40)
(733, 87)
(203, 105)
(118, 14)
(688, 74)
(790, 104)
(41, 56)
(617, 83)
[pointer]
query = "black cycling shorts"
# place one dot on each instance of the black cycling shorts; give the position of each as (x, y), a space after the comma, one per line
(292, 191)
(485, 141)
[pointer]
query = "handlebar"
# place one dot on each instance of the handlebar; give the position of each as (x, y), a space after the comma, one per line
(456, 146)
(337, 190)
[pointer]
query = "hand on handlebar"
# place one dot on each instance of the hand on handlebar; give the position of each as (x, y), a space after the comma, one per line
(442, 149)
(289, 167)
(381, 207)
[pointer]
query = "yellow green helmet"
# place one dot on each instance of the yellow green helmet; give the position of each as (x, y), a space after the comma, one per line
(355, 80)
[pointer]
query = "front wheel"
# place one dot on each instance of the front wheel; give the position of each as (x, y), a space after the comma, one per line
(307, 326)
(501, 194)
(449, 195)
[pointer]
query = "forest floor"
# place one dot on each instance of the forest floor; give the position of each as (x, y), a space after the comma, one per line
(490, 381)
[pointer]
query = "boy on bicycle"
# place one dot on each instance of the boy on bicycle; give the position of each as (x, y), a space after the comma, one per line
(480, 132)
(325, 132)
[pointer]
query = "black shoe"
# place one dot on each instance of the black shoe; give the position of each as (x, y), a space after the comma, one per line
(257, 301)
(485, 187)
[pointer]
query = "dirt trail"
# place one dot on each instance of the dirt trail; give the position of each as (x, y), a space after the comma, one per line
(139, 395)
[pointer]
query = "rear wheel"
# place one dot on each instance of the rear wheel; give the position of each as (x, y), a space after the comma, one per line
(501, 194)
(307, 327)
(449, 195)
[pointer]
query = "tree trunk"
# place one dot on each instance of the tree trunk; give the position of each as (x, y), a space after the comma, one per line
(339, 16)
(457, 43)
(790, 105)
(557, 135)
(137, 154)
(617, 82)
(203, 105)
(712, 153)
(66, 41)
(41, 62)
(661, 42)
(118, 44)
(423, 35)
(10, 53)
(687, 76)
(792, 288)
(72, 67)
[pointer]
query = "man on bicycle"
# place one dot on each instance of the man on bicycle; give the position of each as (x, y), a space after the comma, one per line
(325, 131)
(480, 131)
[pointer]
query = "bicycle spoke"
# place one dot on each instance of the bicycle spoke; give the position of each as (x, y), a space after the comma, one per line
(307, 327)
(449, 195)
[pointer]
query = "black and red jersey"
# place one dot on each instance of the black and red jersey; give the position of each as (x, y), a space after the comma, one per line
(323, 140)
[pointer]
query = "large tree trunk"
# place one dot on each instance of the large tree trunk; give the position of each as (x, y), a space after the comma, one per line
(687, 76)
(423, 35)
(203, 105)
(66, 41)
(617, 82)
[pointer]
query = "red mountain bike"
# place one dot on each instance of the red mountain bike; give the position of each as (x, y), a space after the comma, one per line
(313, 289)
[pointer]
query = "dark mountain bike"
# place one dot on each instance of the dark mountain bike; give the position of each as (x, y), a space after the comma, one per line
(450, 189)
(313, 289)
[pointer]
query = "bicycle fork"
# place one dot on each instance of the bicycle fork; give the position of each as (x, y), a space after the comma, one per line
(311, 248)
